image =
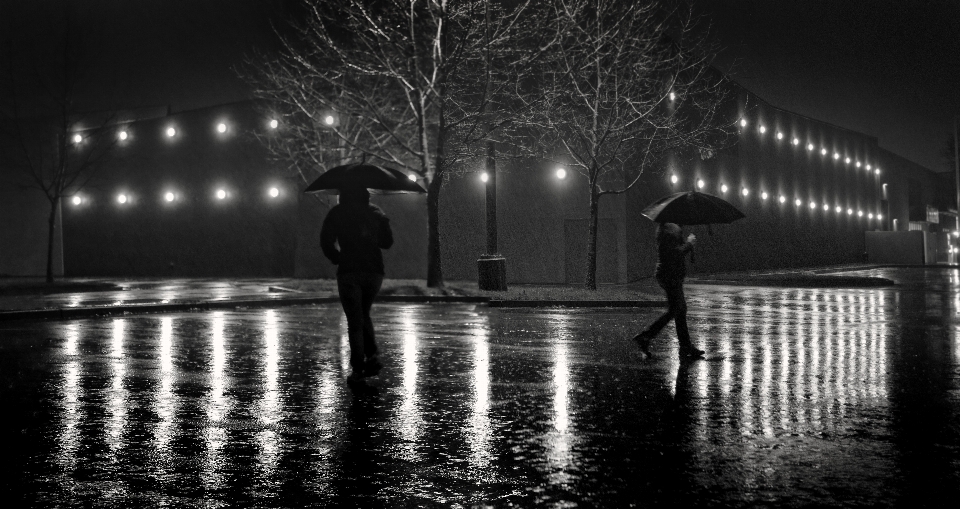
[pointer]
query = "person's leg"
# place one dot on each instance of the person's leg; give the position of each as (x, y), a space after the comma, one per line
(678, 304)
(351, 298)
(370, 287)
(643, 339)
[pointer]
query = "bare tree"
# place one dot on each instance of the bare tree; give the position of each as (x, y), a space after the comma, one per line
(625, 84)
(51, 146)
(398, 82)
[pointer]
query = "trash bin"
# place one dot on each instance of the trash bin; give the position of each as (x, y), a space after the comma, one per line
(492, 272)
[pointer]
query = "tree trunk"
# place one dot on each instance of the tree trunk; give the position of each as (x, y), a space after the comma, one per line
(51, 227)
(591, 281)
(434, 268)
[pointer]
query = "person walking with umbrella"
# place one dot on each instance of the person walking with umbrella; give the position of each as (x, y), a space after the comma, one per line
(361, 230)
(689, 208)
(671, 270)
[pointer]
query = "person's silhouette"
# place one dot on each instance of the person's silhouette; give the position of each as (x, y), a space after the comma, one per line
(671, 270)
(360, 230)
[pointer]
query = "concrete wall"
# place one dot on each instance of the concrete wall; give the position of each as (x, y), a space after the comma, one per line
(896, 247)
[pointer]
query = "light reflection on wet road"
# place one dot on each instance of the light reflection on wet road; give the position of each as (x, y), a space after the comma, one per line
(807, 397)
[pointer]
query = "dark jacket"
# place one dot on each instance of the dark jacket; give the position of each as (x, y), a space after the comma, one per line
(672, 250)
(361, 231)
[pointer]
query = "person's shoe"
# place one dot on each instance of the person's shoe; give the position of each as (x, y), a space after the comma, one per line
(372, 367)
(690, 352)
(643, 341)
(355, 377)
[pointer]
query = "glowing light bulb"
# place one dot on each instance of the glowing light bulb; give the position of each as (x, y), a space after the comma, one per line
(809, 146)
(412, 177)
(171, 132)
(700, 184)
(839, 210)
(121, 198)
(221, 194)
(674, 179)
(743, 122)
(169, 196)
(798, 202)
(849, 212)
(77, 138)
(744, 191)
(763, 129)
(764, 195)
(561, 173)
(122, 135)
(484, 177)
(783, 199)
(221, 127)
(813, 205)
(846, 161)
(823, 151)
(779, 136)
(274, 124)
(328, 120)
(796, 141)
(77, 200)
(274, 192)
(723, 188)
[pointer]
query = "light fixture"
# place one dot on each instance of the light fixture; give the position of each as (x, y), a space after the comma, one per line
(328, 120)
(121, 198)
(839, 210)
(77, 200)
(813, 205)
(836, 155)
(673, 96)
(274, 124)
(674, 179)
(870, 215)
(221, 127)
(221, 194)
(798, 202)
(171, 132)
(764, 195)
(858, 164)
(826, 207)
(809, 146)
(169, 196)
(274, 192)
(77, 138)
(796, 141)
(869, 167)
(484, 177)
(783, 198)
(877, 171)
(744, 191)
(880, 216)
(823, 151)
(763, 129)
(743, 122)
(561, 173)
(723, 188)
(859, 213)
(412, 177)
(847, 160)
(779, 136)
(122, 135)
(700, 184)
(849, 212)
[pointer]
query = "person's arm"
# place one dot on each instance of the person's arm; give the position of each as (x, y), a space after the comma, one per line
(328, 236)
(686, 246)
(385, 235)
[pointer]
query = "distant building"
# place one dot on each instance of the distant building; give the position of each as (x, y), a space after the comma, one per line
(195, 194)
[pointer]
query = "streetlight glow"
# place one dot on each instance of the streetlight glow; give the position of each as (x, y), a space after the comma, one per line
(744, 191)
(763, 129)
(561, 173)
(76, 200)
(328, 120)
(674, 179)
(779, 136)
(797, 202)
(764, 195)
(171, 132)
(122, 135)
(169, 196)
(412, 177)
(121, 198)
(77, 138)
(274, 124)
(221, 194)
(221, 127)
(723, 188)
(700, 184)
(743, 122)
(274, 192)
(484, 177)
(809, 146)
(783, 199)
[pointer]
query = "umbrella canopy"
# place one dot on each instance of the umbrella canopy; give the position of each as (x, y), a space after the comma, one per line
(692, 208)
(366, 176)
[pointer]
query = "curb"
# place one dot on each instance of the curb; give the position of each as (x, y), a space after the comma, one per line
(576, 303)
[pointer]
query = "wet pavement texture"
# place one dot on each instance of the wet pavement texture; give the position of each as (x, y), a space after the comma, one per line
(807, 397)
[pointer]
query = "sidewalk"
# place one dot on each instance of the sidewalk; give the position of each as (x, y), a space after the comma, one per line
(32, 298)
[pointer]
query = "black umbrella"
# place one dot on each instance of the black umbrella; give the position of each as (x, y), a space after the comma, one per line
(361, 175)
(692, 208)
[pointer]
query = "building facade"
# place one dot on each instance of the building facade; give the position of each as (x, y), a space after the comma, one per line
(195, 194)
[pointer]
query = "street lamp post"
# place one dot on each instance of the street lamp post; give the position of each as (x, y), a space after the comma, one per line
(491, 267)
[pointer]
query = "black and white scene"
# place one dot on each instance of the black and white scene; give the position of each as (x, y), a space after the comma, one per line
(479, 254)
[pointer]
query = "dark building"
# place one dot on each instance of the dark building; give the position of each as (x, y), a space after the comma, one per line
(201, 197)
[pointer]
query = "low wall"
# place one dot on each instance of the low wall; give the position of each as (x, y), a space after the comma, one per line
(901, 247)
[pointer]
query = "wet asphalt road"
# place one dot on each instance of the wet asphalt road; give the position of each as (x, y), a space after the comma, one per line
(807, 397)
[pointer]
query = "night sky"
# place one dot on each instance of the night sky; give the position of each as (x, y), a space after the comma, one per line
(887, 68)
